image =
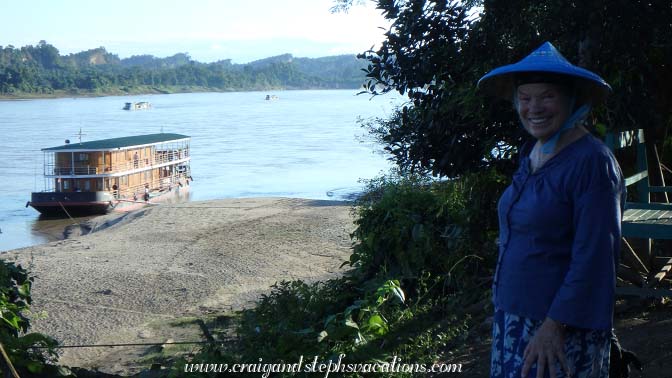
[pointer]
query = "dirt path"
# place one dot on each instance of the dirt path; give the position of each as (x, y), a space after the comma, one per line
(153, 267)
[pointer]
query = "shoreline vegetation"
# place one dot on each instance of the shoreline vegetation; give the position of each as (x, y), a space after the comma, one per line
(143, 90)
(40, 71)
(115, 92)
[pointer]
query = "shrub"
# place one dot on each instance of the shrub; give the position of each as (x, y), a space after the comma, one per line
(31, 353)
(417, 229)
(423, 250)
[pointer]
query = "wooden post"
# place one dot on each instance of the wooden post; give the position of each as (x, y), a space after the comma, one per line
(660, 172)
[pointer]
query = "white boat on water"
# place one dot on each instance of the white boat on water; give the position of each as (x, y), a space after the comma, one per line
(142, 105)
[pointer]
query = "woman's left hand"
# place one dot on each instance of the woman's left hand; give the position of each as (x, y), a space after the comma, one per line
(546, 346)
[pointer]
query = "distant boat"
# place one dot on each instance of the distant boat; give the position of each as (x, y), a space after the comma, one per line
(142, 105)
(272, 97)
(118, 174)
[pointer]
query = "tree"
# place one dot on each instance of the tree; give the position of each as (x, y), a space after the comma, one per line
(435, 51)
(47, 55)
(40, 69)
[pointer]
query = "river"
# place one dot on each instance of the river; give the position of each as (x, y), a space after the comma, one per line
(304, 144)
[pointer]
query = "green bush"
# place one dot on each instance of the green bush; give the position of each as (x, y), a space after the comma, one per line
(31, 353)
(287, 322)
(423, 250)
(413, 228)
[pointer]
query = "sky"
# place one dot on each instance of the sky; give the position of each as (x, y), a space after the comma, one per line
(208, 30)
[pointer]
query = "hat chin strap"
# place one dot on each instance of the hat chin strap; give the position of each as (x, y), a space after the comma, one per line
(578, 116)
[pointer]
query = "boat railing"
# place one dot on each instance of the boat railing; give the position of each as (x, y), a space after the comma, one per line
(140, 163)
(77, 170)
(161, 185)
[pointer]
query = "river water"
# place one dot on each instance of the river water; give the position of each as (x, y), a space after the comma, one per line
(305, 144)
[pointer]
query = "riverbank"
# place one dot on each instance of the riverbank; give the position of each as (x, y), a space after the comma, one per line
(150, 90)
(152, 269)
(116, 91)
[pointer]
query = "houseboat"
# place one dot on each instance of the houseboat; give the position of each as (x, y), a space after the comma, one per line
(118, 174)
(142, 105)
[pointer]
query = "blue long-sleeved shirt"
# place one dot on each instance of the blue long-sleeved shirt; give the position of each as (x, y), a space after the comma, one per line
(560, 231)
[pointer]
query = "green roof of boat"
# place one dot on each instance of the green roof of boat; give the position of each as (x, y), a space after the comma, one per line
(108, 144)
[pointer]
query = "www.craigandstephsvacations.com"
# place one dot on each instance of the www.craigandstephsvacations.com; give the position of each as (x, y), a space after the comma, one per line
(323, 367)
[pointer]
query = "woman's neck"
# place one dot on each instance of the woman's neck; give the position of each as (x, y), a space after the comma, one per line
(539, 158)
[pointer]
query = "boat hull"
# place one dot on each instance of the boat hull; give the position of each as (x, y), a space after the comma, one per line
(61, 204)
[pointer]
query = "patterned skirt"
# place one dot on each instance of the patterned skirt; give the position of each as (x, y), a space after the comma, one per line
(587, 351)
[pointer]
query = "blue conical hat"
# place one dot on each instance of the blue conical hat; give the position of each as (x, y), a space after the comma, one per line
(546, 59)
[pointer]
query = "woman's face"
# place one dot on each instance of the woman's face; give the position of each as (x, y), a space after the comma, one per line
(542, 109)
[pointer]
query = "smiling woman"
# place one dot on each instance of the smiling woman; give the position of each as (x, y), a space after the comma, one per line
(543, 108)
(560, 227)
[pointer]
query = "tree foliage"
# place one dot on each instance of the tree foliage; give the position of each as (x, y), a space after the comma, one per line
(436, 50)
(42, 70)
(30, 353)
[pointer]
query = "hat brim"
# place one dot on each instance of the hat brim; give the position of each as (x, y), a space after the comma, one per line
(501, 81)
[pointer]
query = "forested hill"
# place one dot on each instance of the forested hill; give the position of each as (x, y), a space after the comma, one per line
(42, 71)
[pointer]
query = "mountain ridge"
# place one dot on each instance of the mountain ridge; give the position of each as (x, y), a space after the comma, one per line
(42, 70)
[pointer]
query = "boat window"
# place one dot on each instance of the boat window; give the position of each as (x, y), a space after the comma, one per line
(87, 185)
(66, 184)
(83, 157)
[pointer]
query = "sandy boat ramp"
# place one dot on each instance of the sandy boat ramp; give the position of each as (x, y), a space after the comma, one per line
(136, 273)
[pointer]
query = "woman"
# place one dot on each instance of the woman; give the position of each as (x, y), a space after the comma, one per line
(560, 226)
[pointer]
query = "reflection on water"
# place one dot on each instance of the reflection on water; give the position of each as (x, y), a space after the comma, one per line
(53, 228)
(32, 231)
